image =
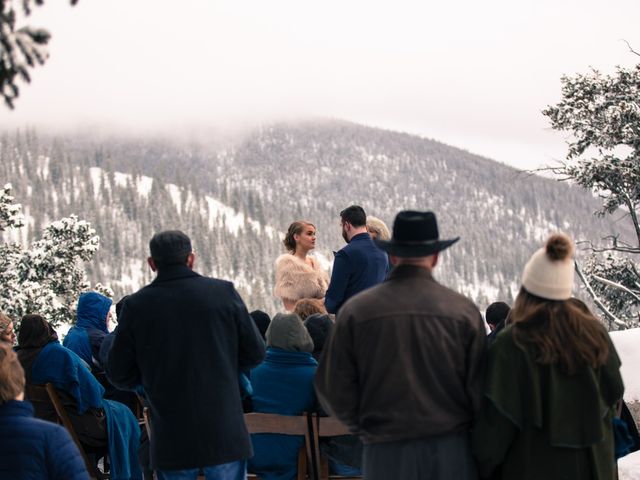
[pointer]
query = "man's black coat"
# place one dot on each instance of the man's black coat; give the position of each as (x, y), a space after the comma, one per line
(185, 338)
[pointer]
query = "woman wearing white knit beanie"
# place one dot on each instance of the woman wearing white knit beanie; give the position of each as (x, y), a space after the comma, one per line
(552, 382)
(549, 272)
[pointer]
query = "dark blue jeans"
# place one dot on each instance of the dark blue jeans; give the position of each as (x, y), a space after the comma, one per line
(225, 471)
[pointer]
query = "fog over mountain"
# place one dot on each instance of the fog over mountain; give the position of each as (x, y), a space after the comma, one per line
(235, 197)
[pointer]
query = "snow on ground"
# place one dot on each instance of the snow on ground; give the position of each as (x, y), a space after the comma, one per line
(96, 178)
(43, 168)
(629, 467)
(121, 179)
(218, 210)
(144, 185)
(626, 343)
(176, 195)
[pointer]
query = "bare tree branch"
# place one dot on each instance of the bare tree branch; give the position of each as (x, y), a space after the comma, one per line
(630, 49)
(616, 285)
(614, 248)
(610, 316)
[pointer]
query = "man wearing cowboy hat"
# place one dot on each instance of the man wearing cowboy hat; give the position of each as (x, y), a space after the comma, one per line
(403, 369)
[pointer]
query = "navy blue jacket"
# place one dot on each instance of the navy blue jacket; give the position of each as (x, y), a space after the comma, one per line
(184, 338)
(282, 384)
(32, 449)
(90, 329)
(356, 267)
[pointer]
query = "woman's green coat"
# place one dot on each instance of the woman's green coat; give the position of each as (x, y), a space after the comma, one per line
(538, 423)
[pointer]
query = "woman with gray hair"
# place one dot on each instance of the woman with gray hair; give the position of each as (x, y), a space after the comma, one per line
(282, 384)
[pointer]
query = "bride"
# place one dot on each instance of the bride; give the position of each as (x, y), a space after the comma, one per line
(297, 274)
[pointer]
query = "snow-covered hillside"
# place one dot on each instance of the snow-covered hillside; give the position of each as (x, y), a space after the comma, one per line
(627, 343)
(235, 199)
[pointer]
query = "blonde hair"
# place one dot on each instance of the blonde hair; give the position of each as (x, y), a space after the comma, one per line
(11, 374)
(5, 320)
(377, 226)
(294, 229)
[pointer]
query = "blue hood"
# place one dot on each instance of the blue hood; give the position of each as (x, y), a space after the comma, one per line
(92, 311)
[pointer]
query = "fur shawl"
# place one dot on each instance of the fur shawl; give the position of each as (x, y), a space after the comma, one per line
(296, 279)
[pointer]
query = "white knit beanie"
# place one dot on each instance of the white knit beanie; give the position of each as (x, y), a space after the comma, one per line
(549, 272)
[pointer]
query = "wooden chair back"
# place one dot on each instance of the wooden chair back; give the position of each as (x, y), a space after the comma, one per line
(47, 394)
(323, 427)
(285, 425)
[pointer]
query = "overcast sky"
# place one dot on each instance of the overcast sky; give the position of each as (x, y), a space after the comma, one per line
(472, 74)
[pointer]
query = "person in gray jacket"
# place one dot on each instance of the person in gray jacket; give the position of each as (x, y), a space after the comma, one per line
(404, 366)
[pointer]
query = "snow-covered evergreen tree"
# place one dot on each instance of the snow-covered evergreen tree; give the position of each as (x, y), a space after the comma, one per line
(602, 113)
(48, 276)
(20, 49)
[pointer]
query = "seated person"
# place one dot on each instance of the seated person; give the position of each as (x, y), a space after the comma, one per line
(496, 317)
(345, 451)
(31, 448)
(262, 321)
(282, 384)
(7, 333)
(98, 422)
(309, 306)
(319, 327)
(90, 339)
(92, 326)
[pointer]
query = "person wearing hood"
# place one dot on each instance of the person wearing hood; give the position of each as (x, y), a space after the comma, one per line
(282, 384)
(90, 339)
(92, 326)
(98, 422)
(319, 327)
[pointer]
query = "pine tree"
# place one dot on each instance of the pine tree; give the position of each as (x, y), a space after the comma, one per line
(602, 114)
(20, 49)
(48, 276)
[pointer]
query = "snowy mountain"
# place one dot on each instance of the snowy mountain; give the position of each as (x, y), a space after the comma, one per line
(234, 196)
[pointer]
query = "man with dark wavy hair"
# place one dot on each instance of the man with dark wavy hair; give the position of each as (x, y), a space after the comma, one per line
(359, 265)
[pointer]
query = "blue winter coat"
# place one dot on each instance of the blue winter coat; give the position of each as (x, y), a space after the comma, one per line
(65, 370)
(90, 329)
(32, 449)
(282, 384)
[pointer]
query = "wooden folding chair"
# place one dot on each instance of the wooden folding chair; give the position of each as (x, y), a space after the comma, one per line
(47, 395)
(323, 427)
(285, 425)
